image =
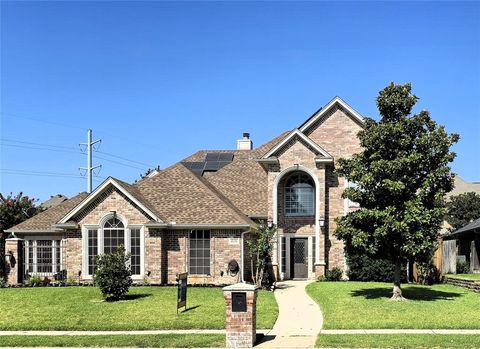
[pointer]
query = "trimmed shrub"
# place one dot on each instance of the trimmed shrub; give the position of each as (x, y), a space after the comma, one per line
(364, 268)
(34, 280)
(334, 274)
(463, 268)
(113, 276)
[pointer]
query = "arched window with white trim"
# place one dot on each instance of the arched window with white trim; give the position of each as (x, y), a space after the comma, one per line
(299, 195)
(108, 237)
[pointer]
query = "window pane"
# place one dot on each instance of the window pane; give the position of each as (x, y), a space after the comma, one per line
(199, 252)
(135, 251)
(92, 250)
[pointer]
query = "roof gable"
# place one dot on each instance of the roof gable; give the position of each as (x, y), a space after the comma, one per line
(292, 137)
(324, 112)
(126, 189)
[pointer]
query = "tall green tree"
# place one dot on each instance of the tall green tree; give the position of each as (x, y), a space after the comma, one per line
(462, 209)
(401, 176)
(13, 210)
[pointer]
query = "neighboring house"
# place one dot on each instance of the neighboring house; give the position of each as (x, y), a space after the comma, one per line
(54, 200)
(196, 215)
(461, 187)
(467, 245)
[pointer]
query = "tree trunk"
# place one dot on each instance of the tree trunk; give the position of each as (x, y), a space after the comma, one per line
(397, 291)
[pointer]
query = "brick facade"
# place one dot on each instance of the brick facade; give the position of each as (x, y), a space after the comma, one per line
(336, 133)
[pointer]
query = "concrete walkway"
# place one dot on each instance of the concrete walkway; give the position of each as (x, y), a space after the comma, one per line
(299, 320)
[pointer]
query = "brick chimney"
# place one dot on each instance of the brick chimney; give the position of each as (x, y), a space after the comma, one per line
(245, 143)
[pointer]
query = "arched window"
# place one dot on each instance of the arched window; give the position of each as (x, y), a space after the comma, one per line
(113, 235)
(299, 195)
(107, 238)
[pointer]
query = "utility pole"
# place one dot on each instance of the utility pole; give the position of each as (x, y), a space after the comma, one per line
(90, 166)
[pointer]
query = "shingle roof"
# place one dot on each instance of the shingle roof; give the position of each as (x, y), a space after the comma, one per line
(184, 198)
(244, 181)
(44, 220)
(470, 227)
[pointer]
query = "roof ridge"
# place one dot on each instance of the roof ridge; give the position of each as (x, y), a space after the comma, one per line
(220, 196)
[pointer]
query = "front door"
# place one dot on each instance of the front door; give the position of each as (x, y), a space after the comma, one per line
(299, 252)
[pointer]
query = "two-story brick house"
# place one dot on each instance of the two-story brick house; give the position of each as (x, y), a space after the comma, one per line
(196, 215)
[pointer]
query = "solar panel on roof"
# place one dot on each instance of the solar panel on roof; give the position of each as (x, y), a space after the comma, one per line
(212, 166)
(225, 157)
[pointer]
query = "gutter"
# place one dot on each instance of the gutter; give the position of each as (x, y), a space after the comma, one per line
(31, 231)
(197, 226)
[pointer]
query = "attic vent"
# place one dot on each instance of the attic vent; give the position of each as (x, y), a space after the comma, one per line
(213, 162)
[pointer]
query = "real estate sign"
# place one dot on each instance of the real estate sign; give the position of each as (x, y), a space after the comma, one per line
(182, 291)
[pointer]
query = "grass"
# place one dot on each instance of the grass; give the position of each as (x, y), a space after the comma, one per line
(366, 305)
(465, 276)
(82, 308)
(399, 341)
(133, 341)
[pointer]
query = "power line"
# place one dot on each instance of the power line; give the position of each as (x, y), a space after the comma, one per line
(76, 127)
(71, 151)
(42, 121)
(120, 163)
(43, 173)
(32, 143)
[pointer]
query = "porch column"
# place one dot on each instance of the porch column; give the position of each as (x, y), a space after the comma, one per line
(319, 217)
(14, 260)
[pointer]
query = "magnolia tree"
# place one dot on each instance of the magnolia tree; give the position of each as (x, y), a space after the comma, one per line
(401, 177)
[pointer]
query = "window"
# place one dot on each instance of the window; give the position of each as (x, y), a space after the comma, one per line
(92, 250)
(109, 238)
(135, 251)
(314, 250)
(44, 256)
(351, 203)
(299, 195)
(113, 235)
(199, 252)
(284, 254)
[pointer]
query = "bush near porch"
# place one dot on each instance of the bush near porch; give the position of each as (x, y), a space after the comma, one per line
(82, 308)
(366, 305)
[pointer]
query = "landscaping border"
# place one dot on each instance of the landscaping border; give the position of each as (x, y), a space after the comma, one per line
(465, 283)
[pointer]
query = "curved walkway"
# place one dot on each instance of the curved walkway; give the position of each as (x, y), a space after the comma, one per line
(299, 320)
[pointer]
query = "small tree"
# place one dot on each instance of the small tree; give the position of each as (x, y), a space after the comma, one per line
(13, 210)
(402, 176)
(260, 248)
(113, 276)
(462, 209)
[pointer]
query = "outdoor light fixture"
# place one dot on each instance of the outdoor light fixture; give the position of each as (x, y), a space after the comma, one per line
(321, 222)
(8, 258)
(270, 223)
(114, 214)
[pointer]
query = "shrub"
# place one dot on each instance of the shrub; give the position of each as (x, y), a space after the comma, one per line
(3, 283)
(334, 274)
(463, 268)
(364, 268)
(34, 280)
(113, 276)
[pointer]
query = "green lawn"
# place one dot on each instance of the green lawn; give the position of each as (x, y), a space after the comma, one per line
(350, 305)
(399, 341)
(465, 276)
(132, 341)
(82, 308)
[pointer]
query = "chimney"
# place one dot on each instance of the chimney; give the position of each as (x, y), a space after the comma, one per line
(245, 143)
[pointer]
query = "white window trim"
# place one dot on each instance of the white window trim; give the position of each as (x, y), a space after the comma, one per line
(54, 240)
(100, 238)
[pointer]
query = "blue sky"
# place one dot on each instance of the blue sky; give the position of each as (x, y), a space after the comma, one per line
(157, 81)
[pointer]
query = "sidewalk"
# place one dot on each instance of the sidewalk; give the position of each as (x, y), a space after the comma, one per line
(299, 320)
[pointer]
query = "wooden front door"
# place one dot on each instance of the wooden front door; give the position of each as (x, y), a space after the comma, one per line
(299, 260)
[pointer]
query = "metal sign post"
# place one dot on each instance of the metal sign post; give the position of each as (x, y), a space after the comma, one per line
(182, 291)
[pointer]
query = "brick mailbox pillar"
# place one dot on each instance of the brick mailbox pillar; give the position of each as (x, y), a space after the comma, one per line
(241, 310)
(14, 259)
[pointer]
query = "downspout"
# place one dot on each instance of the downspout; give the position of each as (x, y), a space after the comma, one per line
(242, 253)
